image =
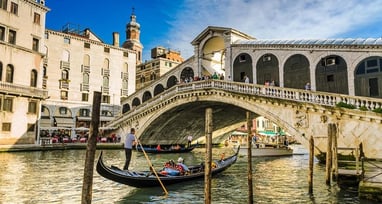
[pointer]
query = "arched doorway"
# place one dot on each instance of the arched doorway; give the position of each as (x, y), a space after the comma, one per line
(172, 81)
(158, 89)
(242, 66)
(368, 77)
(146, 96)
(187, 74)
(296, 72)
(136, 102)
(267, 69)
(331, 75)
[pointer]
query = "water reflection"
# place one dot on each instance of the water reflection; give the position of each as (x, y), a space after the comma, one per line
(56, 177)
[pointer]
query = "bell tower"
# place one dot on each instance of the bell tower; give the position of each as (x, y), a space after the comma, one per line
(133, 31)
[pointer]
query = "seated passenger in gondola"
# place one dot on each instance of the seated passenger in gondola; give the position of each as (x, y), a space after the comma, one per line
(182, 167)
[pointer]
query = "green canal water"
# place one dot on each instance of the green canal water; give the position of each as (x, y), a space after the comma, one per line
(56, 177)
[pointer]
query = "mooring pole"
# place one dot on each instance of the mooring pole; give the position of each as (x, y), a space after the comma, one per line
(87, 186)
(335, 153)
(329, 154)
(249, 157)
(311, 161)
(208, 156)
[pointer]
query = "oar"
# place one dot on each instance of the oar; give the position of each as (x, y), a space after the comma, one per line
(151, 166)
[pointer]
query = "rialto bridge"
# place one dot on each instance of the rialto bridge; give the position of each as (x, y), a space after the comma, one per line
(179, 111)
(338, 70)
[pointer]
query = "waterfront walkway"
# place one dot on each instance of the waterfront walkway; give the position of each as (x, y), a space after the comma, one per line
(56, 146)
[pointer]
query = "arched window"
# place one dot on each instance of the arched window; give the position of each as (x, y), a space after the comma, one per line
(105, 82)
(85, 79)
(9, 74)
(33, 82)
(65, 75)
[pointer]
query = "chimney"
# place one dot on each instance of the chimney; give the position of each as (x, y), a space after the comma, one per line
(116, 39)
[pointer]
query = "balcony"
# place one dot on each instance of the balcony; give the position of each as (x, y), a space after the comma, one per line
(65, 65)
(85, 69)
(105, 90)
(125, 75)
(105, 72)
(21, 90)
(124, 92)
(84, 87)
(64, 84)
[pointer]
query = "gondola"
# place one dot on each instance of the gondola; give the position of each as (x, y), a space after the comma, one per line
(143, 179)
(154, 150)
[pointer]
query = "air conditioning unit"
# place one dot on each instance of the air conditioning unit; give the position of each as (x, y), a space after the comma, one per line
(267, 58)
(330, 61)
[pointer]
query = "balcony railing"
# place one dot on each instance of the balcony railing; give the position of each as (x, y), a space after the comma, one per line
(22, 90)
(84, 87)
(65, 65)
(105, 90)
(64, 84)
(85, 69)
(105, 72)
(124, 92)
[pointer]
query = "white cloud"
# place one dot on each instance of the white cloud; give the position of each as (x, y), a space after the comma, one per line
(274, 19)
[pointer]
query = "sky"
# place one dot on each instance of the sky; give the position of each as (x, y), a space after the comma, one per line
(174, 24)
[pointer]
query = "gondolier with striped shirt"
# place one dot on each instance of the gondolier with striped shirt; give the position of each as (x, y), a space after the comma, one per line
(129, 142)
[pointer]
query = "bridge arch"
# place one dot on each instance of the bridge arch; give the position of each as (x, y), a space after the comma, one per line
(296, 68)
(331, 75)
(267, 69)
(172, 81)
(136, 102)
(125, 108)
(368, 77)
(242, 65)
(146, 96)
(158, 89)
(187, 74)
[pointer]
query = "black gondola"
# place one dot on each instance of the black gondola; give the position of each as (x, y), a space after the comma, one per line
(154, 150)
(143, 179)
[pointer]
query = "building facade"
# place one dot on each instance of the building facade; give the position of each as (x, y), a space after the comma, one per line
(22, 27)
(50, 91)
(162, 61)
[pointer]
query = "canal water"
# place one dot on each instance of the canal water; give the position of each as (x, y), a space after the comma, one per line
(56, 177)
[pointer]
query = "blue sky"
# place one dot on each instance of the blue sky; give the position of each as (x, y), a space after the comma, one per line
(175, 23)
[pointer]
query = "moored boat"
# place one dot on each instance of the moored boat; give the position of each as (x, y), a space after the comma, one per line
(142, 179)
(266, 151)
(164, 149)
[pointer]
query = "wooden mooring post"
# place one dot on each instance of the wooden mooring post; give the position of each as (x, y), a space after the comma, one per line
(208, 156)
(329, 154)
(249, 157)
(87, 185)
(311, 161)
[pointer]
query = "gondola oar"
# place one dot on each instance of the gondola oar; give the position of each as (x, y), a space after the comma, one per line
(151, 166)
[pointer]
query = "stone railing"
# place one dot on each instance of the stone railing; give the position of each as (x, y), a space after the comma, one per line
(22, 90)
(314, 97)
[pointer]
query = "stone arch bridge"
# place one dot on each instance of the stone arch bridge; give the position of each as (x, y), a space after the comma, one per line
(179, 111)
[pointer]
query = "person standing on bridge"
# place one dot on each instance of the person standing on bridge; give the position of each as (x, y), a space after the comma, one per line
(129, 143)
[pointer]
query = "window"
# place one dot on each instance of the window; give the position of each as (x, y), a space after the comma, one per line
(85, 97)
(84, 112)
(14, 8)
(64, 95)
(46, 35)
(6, 127)
(8, 104)
(65, 75)
(106, 49)
(36, 18)
(1, 72)
(31, 127)
(63, 110)
(12, 37)
(86, 45)
(9, 74)
(33, 82)
(67, 40)
(125, 54)
(35, 44)
(105, 99)
(2, 33)
(32, 107)
(3, 4)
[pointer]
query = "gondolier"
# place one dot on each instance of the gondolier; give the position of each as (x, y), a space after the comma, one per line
(129, 143)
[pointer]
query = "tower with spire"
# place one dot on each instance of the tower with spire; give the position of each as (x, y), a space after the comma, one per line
(133, 30)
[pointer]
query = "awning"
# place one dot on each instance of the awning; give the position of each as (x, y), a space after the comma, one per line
(64, 122)
(45, 122)
(239, 133)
